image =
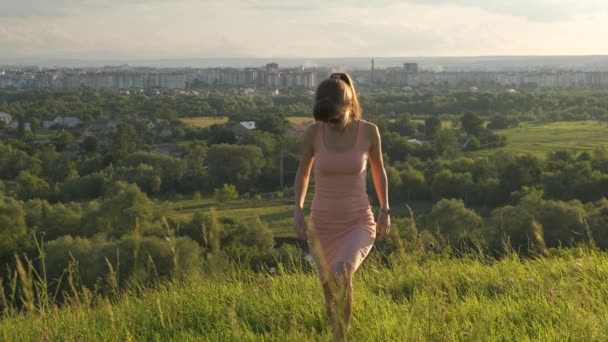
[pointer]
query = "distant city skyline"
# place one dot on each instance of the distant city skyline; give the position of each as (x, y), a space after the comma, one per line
(132, 30)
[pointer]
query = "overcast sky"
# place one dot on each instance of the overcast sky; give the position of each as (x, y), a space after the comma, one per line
(153, 29)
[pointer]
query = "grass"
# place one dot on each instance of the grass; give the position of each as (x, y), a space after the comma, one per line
(300, 120)
(417, 298)
(203, 122)
(276, 212)
(42, 134)
(547, 137)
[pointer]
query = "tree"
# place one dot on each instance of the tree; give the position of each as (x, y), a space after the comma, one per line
(12, 227)
(523, 171)
(472, 144)
(248, 242)
(59, 220)
(451, 185)
(63, 140)
(219, 134)
(13, 161)
(87, 187)
(413, 185)
(60, 252)
(195, 173)
(446, 144)
(21, 125)
(562, 222)
(455, 222)
(226, 194)
(431, 126)
(404, 126)
(240, 165)
(62, 168)
(171, 170)
(395, 146)
(598, 222)
(472, 124)
(125, 142)
(502, 122)
(274, 124)
(122, 210)
(517, 226)
(394, 179)
(90, 144)
(34, 123)
(30, 186)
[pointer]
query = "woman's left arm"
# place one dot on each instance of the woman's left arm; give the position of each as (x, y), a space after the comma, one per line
(380, 181)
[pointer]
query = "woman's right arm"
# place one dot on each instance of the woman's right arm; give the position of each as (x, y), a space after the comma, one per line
(301, 181)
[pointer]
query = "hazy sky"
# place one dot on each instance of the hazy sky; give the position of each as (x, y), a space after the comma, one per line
(142, 29)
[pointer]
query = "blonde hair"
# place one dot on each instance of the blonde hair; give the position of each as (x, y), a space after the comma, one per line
(336, 95)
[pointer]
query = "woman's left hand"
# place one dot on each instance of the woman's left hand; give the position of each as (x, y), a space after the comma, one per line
(383, 224)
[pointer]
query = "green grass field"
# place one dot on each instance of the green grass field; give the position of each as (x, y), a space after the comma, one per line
(300, 120)
(542, 138)
(444, 123)
(418, 298)
(277, 212)
(203, 122)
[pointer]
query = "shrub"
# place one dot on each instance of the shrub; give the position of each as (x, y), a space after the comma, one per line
(226, 194)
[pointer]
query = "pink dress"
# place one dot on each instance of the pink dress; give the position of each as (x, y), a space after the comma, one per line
(342, 227)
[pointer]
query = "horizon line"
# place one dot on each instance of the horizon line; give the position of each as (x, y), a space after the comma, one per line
(307, 57)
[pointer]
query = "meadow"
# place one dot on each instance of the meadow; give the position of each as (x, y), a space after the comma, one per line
(205, 121)
(277, 213)
(300, 120)
(414, 297)
(541, 138)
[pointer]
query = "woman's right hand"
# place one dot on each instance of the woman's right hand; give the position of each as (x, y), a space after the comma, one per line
(299, 223)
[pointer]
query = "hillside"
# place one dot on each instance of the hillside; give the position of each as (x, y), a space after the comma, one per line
(424, 297)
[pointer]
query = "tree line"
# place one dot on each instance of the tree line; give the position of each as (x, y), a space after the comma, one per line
(505, 106)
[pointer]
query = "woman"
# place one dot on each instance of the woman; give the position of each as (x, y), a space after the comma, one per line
(342, 226)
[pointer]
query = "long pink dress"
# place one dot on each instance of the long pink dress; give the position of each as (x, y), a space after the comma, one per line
(342, 227)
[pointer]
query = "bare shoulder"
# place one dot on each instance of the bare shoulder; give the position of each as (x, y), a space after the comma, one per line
(311, 130)
(370, 129)
(311, 127)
